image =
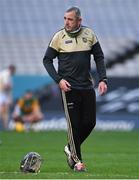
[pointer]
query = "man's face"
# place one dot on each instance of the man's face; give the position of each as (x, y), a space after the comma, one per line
(71, 22)
(28, 95)
(12, 70)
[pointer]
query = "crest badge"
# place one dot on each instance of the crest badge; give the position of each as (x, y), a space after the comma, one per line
(84, 40)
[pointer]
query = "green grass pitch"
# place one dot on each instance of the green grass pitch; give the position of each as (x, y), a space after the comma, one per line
(106, 155)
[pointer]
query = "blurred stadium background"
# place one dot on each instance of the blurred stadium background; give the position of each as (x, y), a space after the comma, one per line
(26, 27)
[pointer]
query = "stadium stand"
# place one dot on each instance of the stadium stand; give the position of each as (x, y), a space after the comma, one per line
(27, 25)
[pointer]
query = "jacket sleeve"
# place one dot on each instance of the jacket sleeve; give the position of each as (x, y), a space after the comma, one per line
(50, 54)
(99, 60)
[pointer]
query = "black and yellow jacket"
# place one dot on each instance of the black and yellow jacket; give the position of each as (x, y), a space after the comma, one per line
(28, 106)
(74, 55)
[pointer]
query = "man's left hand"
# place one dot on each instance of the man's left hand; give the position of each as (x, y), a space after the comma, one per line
(102, 88)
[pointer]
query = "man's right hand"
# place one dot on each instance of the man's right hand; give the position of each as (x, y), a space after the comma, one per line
(64, 85)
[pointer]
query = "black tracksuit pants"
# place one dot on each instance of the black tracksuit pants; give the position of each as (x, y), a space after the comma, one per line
(80, 111)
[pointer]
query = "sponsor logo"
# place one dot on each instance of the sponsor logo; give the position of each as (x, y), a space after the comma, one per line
(121, 99)
(68, 41)
(60, 123)
(70, 105)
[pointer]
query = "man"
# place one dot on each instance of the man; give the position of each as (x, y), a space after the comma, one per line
(6, 93)
(73, 46)
(27, 109)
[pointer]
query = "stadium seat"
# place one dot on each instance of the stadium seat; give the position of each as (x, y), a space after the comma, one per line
(27, 26)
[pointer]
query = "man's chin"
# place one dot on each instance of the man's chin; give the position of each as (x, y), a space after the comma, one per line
(68, 30)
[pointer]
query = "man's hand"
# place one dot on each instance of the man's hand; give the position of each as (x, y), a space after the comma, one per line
(102, 88)
(64, 85)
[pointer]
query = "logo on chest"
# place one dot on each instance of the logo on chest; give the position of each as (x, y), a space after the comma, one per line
(84, 39)
(68, 41)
